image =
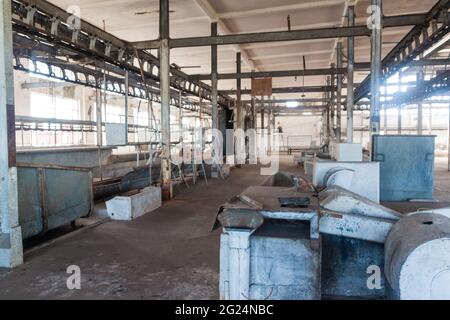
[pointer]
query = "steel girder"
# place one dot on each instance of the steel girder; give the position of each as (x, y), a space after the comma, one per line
(422, 37)
(46, 26)
(438, 85)
(311, 72)
(287, 90)
(293, 35)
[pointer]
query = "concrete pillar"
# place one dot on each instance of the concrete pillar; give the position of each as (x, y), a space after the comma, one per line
(215, 109)
(164, 73)
(376, 71)
(350, 75)
(448, 142)
(339, 93)
(239, 256)
(11, 252)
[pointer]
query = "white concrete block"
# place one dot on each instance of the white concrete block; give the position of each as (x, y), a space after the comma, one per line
(11, 250)
(347, 152)
(115, 134)
(130, 208)
(365, 180)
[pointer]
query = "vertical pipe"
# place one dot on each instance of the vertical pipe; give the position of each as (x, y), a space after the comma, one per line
(215, 116)
(180, 120)
(448, 142)
(269, 124)
(385, 114)
(240, 158)
(164, 72)
(399, 107)
(430, 132)
(350, 75)
(262, 115)
(215, 110)
(376, 70)
(329, 106)
(420, 78)
(10, 230)
(238, 92)
(333, 104)
(253, 106)
(126, 106)
(98, 109)
(339, 93)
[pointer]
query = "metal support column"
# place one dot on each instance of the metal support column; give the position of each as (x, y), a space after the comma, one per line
(376, 69)
(339, 93)
(399, 107)
(262, 119)
(164, 53)
(350, 75)
(430, 120)
(333, 104)
(238, 120)
(98, 109)
(253, 107)
(215, 110)
(385, 115)
(269, 128)
(238, 93)
(329, 107)
(11, 252)
(126, 106)
(420, 79)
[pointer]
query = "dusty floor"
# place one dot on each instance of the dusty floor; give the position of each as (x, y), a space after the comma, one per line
(168, 254)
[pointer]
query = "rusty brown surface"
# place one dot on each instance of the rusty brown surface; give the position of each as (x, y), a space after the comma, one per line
(262, 87)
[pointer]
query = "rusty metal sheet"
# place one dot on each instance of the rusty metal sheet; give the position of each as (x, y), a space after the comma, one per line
(261, 86)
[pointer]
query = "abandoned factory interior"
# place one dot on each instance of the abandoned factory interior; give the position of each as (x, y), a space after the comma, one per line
(225, 150)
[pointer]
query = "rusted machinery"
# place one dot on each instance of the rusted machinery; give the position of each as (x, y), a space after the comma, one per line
(339, 245)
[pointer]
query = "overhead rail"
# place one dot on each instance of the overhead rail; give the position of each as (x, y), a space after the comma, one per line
(42, 29)
(422, 37)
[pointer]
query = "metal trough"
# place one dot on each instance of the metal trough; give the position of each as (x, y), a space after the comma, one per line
(51, 196)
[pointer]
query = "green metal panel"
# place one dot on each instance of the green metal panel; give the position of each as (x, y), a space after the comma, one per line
(52, 197)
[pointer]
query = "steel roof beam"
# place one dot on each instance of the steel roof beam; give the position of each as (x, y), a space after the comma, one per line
(294, 35)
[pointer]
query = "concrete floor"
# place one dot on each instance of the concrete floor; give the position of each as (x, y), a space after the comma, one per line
(167, 254)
